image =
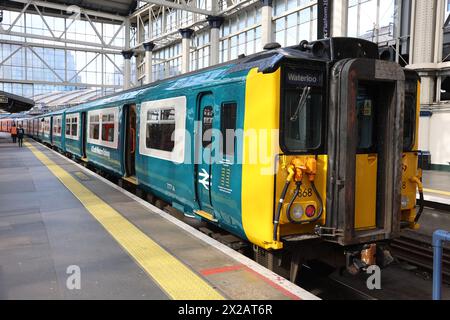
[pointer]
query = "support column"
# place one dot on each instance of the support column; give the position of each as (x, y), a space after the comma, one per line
(127, 54)
(186, 35)
(439, 35)
(426, 43)
(214, 23)
(425, 55)
(266, 23)
(148, 46)
(339, 18)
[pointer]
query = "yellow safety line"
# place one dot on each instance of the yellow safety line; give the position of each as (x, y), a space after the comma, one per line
(445, 193)
(177, 280)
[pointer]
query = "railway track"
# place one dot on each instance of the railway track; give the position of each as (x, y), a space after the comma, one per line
(416, 249)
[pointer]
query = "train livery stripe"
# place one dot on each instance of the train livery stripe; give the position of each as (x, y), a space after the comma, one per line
(176, 279)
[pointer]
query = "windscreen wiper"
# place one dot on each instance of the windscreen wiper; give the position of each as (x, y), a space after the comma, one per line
(301, 102)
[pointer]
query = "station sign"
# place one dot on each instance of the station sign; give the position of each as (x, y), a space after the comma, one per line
(323, 18)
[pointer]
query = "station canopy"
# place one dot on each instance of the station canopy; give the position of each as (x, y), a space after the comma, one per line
(11, 103)
(62, 99)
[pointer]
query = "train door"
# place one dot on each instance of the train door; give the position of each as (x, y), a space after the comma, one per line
(365, 144)
(51, 124)
(130, 139)
(366, 108)
(204, 154)
(84, 133)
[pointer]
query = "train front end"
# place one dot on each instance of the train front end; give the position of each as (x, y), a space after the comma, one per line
(339, 170)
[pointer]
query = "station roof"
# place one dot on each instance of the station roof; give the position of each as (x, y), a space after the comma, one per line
(121, 7)
(62, 99)
(12, 103)
(115, 7)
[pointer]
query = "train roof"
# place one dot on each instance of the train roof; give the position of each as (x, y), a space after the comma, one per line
(325, 50)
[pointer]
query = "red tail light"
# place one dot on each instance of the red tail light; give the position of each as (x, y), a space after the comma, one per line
(310, 211)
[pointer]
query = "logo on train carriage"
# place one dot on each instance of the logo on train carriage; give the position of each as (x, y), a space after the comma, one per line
(304, 77)
(100, 151)
(204, 179)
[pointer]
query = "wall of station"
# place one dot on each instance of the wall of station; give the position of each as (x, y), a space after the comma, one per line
(434, 137)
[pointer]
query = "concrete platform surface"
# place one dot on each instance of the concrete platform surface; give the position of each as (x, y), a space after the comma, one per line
(66, 233)
(436, 186)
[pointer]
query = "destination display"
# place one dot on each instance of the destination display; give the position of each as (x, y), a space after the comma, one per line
(304, 77)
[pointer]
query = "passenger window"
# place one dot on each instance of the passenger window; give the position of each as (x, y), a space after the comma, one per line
(365, 112)
(68, 126)
(159, 129)
(57, 126)
(228, 127)
(108, 127)
(208, 115)
(74, 127)
(94, 127)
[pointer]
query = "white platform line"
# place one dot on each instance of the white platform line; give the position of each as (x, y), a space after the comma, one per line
(272, 276)
(432, 198)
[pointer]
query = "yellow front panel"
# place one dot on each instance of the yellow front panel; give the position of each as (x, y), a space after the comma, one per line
(409, 168)
(306, 197)
(365, 191)
(261, 120)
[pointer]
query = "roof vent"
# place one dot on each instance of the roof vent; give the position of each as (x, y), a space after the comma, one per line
(272, 46)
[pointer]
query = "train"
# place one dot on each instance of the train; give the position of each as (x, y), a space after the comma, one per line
(306, 152)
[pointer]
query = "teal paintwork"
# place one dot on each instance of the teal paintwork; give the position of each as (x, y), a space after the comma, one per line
(71, 145)
(172, 182)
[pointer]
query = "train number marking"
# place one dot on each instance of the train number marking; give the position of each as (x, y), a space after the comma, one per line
(305, 193)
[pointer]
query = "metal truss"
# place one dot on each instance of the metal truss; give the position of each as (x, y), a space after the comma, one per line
(170, 15)
(63, 81)
(161, 10)
(185, 5)
(58, 40)
(78, 13)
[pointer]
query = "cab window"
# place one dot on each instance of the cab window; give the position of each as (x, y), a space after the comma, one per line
(365, 113)
(302, 110)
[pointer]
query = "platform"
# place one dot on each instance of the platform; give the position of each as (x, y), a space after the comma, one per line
(58, 218)
(436, 186)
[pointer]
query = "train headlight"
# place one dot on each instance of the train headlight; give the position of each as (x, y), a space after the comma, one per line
(296, 212)
(405, 201)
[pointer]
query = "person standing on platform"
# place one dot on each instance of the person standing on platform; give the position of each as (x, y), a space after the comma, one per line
(14, 132)
(20, 134)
